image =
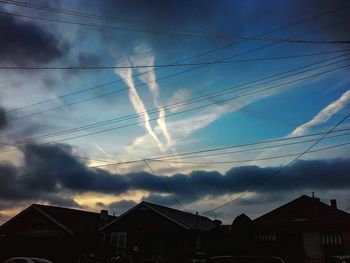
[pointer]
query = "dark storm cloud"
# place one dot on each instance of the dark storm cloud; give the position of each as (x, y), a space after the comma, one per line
(172, 13)
(51, 168)
(50, 171)
(3, 118)
(23, 43)
(170, 16)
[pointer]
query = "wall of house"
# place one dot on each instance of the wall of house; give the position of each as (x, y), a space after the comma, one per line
(33, 235)
(30, 234)
(346, 241)
(312, 244)
(150, 234)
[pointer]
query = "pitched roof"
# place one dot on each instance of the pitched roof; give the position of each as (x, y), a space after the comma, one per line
(71, 220)
(187, 220)
(304, 211)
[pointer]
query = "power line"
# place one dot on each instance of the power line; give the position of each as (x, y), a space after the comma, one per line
(283, 168)
(214, 36)
(220, 148)
(225, 101)
(199, 55)
(125, 21)
(173, 195)
(164, 186)
(247, 150)
(248, 160)
(176, 113)
(172, 65)
(189, 101)
(211, 150)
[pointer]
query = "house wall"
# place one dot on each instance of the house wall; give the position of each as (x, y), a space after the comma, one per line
(346, 240)
(153, 235)
(312, 244)
(30, 234)
(33, 235)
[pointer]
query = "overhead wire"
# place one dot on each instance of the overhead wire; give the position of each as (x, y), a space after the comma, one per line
(167, 33)
(211, 150)
(126, 21)
(248, 160)
(174, 64)
(282, 169)
(165, 186)
(168, 159)
(196, 56)
(224, 101)
(301, 41)
(193, 100)
(175, 113)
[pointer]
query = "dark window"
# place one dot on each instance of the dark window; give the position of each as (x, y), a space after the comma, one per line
(118, 239)
(332, 239)
(266, 237)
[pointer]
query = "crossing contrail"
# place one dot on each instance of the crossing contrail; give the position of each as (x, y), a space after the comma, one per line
(126, 75)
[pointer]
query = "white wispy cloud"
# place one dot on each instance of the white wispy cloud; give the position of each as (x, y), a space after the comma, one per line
(126, 75)
(325, 114)
(145, 56)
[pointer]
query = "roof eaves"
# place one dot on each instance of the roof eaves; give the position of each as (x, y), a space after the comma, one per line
(121, 216)
(52, 219)
(150, 207)
(168, 217)
(16, 216)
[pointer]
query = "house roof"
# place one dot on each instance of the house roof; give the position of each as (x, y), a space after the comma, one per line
(241, 219)
(184, 219)
(71, 220)
(304, 211)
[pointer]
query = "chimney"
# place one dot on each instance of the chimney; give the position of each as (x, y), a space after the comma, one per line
(103, 218)
(334, 203)
(217, 223)
(315, 198)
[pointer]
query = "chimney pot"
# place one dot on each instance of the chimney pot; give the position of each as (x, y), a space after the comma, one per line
(334, 203)
(103, 217)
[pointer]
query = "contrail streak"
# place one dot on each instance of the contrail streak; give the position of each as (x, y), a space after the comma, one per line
(149, 77)
(325, 114)
(126, 75)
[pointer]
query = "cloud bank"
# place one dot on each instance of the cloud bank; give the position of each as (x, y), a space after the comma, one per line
(51, 173)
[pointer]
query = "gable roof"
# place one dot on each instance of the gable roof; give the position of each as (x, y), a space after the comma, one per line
(186, 220)
(70, 220)
(304, 211)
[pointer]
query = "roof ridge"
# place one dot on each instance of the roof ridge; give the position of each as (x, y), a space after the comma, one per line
(283, 206)
(54, 220)
(66, 208)
(177, 210)
(302, 200)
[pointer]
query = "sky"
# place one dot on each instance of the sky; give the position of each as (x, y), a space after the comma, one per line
(220, 107)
